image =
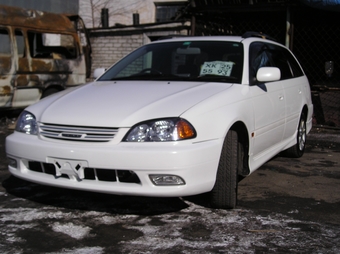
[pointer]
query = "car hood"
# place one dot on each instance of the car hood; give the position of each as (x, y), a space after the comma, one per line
(122, 103)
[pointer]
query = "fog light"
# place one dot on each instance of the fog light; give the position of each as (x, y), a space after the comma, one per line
(166, 180)
(12, 163)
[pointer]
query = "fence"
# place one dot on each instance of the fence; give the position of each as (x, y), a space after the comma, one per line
(316, 42)
(314, 39)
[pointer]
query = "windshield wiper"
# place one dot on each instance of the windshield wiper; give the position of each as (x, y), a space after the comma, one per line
(149, 76)
(216, 77)
(139, 76)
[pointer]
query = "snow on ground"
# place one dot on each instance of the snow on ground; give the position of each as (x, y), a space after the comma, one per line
(75, 231)
(189, 230)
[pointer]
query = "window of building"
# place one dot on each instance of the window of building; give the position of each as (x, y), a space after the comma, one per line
(167, 11)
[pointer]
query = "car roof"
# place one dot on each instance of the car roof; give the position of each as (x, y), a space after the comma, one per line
(247, 38)
(201, 38)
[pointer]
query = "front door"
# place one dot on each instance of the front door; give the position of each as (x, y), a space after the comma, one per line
(268, 101)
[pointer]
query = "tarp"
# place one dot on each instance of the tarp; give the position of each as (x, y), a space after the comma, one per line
(329, 5)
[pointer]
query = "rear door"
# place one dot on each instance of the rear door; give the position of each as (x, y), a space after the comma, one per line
(294, 83)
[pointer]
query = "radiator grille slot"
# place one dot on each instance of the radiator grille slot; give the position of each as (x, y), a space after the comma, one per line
(77, 133)
(96, 174)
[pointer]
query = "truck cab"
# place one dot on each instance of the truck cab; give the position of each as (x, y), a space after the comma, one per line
(40, 53)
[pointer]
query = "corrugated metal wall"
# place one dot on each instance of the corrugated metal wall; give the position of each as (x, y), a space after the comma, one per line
(56, 6)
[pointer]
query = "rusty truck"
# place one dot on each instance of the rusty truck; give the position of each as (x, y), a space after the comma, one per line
(40, 53)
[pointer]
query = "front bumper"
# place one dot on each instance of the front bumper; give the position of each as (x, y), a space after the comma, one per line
(196, 163)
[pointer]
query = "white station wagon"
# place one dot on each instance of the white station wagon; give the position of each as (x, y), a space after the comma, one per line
(176, 117)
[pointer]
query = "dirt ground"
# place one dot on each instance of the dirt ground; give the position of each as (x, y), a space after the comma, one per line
(310, 184)
(286, 206)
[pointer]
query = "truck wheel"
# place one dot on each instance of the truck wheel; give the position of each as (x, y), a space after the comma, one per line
(224, 193)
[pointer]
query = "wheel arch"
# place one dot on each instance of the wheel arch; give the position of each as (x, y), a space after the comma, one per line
(243, 139)
(305, 110)
(50, 89)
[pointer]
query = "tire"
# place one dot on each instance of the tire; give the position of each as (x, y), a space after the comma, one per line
(297, 150)
(224, 192)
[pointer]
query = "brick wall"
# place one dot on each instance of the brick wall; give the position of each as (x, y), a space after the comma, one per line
(107, 50)
(112, 44)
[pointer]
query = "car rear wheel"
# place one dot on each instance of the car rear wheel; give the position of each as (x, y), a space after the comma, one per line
(224, 193)
(297, 150)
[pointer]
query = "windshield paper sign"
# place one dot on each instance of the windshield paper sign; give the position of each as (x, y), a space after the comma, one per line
(217, 68)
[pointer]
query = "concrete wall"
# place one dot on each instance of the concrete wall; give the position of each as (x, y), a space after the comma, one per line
(56, 6)
(120, 11)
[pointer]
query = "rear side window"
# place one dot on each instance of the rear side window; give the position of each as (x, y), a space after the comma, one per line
(284, 60)
(5, 52)
(48, 45)
(295, 67)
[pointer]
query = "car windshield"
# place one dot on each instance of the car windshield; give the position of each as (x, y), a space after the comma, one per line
(217, 61)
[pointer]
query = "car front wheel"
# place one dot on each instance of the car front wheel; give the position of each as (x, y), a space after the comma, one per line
(224, 193)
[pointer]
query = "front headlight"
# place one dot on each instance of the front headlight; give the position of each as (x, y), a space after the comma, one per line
(27, 123)
(170, 129)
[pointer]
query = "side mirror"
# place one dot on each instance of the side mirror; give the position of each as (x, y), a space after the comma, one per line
(267, 74)
(98, 72)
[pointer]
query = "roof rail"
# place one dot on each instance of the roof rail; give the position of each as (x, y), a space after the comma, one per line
(258, 35)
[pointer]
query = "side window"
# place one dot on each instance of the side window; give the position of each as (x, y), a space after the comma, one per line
(267, 54)
(20, 43)
(285, 61)
(280, 61)
(295, 67)
(54, 46)
(5, 52)
(259, 56)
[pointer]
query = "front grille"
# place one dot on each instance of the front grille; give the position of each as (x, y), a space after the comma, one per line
(47, 168)
(77, 133)
(96, 174)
